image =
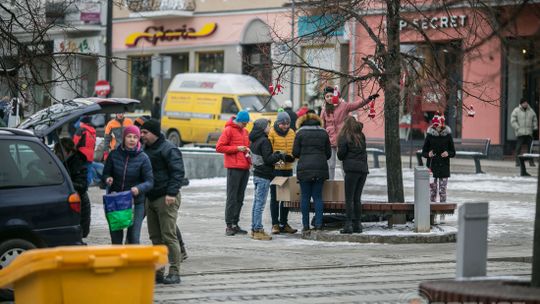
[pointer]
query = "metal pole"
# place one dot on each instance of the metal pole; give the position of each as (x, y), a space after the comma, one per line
(161, 72)
(108, 43)
(411, 147)
(421, 200)
(292, 53)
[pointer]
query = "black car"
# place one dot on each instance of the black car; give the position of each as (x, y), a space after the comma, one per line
(38, 205)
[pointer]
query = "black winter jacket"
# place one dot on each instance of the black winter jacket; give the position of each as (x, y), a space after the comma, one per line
(312, 148)
(129, 169)
(438, 142)
(167, 167)
(262, 156)
(76, 164)
(354, 157)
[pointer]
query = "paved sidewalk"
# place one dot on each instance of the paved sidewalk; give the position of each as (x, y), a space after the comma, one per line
(291, 270)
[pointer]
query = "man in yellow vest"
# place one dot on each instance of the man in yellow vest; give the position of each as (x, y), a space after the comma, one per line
(281, 137)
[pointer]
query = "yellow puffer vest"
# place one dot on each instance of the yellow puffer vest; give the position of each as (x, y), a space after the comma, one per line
(283, 144)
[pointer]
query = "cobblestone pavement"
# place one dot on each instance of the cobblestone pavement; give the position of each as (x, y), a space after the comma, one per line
(291, 270)
(355, 284)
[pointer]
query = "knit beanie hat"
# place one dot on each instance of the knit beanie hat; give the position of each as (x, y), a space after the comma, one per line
(261, 123)
(283, 117)
(242, 116)
(131, 130)
(152, 126)
(437, 121)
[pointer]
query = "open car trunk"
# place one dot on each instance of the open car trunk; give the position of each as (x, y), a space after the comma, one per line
(45, 121)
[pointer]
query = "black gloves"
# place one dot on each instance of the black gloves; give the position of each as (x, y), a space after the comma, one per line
(372, 97)
(289, 158)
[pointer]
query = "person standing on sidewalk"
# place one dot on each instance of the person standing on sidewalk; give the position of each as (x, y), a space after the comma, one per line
(438, 149)
(113, 133)
(524, 122)
(163, 201)
(234, 144)
(128, 168)
(281, 137)
(263, 160)
(333, 116)
(352, 152)
(312, 148)
(75, 163)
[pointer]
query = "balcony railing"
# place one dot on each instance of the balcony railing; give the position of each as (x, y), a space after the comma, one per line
(78, 12)
(161, 8)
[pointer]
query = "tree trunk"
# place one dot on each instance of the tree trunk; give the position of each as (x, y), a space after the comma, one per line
(535, 281)
(392, 66)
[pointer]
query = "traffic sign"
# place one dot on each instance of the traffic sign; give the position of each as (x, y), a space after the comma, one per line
(102, 88)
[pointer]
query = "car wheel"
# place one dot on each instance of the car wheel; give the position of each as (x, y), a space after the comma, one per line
(174, 138)
(9, 251)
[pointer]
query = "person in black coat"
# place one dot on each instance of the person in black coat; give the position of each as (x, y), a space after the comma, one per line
(76, 165)
(163, 201)
(128, 168)
(351, 150)
(312, 148)
(438, 149)
(263, 159)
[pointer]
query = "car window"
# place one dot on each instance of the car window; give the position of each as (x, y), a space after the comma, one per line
(258, 103)
(228, 106)
(27, 164)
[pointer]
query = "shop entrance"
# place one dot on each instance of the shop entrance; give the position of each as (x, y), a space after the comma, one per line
(522, 79)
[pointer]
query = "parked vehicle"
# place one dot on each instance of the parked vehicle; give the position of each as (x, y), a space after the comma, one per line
(197, 104)
(38, 205)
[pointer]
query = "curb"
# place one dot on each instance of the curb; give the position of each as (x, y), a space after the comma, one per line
(449, 237)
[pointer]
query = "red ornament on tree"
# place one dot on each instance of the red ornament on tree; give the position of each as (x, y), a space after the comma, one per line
(371, 113)
(279, 88)
(271, 89)
(335, 98)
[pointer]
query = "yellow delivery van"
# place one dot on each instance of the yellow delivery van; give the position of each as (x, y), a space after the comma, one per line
(198, 104)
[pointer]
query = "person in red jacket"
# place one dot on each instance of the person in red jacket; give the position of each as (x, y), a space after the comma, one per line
(85, 142)
(234, 144)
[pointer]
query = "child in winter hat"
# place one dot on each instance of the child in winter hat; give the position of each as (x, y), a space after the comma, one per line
(283, 118)
(131, 130)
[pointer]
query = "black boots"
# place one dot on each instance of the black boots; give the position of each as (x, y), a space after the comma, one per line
(357, 226)
(347, 228)
(172, 278)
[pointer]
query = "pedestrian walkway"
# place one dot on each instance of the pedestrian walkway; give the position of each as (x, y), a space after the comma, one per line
(383, 283)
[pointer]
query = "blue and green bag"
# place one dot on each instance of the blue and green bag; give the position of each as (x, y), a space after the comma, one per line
(118, 209)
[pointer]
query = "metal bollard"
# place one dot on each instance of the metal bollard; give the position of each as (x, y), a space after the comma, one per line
(421, 200)
(471, 255)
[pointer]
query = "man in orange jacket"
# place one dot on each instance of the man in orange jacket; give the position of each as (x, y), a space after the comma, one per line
(234, 143)
(113, 133)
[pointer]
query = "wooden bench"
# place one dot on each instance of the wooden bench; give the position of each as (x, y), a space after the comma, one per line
(534, 153)
(476, 149)
(375, 146)
(381, 208)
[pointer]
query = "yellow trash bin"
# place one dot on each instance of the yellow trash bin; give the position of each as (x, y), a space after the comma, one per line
(85, 274)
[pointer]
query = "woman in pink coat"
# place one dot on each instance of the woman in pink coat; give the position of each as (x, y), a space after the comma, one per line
(333, 116)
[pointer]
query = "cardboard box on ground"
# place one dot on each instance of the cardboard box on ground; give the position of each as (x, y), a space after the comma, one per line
(288, 189)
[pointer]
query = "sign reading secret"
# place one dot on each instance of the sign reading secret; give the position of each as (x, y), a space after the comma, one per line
(433, 22)
(153, 34)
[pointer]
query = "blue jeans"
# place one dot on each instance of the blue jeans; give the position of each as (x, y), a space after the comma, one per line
(311, 189)
(134, 232)
(262, 186)
(279, 213)
(95, 172)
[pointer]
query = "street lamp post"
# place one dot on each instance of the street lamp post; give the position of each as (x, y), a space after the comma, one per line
(108, 43)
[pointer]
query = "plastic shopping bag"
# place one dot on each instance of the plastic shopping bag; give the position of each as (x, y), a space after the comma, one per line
(118, 209)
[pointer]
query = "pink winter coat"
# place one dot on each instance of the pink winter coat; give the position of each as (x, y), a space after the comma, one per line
(333, 122)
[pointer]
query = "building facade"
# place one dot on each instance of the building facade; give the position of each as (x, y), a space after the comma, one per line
(194, 36)
(463, 68)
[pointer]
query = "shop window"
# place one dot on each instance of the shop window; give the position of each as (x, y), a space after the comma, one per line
(315, 80)
(256, 62)
(431, 82)
(141, 81)
(210, 62)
